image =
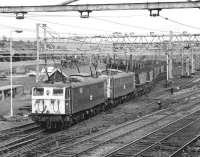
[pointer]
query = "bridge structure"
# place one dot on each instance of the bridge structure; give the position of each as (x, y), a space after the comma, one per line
(85, 9)
(64, 7)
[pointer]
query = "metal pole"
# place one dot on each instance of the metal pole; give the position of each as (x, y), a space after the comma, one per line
(167, 67)
(182, 59)
(170, 56)
(192, 61)
(45, 40)
(11, 81)
(38, 59)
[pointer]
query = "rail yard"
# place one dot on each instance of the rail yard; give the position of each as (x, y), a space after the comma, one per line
(99, 84)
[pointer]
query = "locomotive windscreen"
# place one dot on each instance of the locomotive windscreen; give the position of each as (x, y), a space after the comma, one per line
(38, 91)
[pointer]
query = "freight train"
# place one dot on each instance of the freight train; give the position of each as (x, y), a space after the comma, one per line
(60, 104)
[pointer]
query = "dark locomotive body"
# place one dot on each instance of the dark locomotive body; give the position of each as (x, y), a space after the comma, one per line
(76, 102)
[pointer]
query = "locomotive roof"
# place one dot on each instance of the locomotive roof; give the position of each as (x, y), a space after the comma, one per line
(110, 71)
(81, 74)
(86, 81)
(123, 74)
(118, 75)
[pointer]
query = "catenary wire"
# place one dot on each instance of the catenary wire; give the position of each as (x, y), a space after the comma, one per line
(127, 25)
(179, 23)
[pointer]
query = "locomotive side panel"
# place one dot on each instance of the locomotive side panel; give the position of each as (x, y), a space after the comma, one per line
(162, 68)
(156, 72)
(123, 84)
(149, 76)
(109, 87)
(141, 77)
(87, 96)
(68, 108)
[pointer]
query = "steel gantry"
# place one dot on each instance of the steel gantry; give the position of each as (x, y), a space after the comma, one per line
(119, 43)
(101, 7)
(129, 43)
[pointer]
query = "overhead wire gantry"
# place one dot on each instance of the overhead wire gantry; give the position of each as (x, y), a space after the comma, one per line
(153, 7)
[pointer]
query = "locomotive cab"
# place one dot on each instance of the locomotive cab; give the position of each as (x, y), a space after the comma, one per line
(50, 104)
(48, 100)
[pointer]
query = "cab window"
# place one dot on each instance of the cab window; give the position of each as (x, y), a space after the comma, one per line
(57, 91)
(38, 91)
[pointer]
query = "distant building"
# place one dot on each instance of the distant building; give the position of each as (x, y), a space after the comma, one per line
(56, 75)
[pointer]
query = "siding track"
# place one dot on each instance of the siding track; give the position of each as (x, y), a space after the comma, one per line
(114, 139)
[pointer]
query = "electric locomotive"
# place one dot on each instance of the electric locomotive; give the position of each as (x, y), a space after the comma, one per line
(61, 104)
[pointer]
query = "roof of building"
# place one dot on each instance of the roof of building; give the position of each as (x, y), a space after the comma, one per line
(8, 87)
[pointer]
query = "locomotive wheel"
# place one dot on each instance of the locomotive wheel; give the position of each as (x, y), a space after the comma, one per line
(48, 124)
(62, 125)
(43, 124)
(74, 120)
(54, 125)
(68, 121)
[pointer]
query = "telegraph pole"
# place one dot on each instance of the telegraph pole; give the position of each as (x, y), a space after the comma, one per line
(38, 49)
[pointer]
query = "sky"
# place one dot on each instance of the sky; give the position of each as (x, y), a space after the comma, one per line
(102, 22)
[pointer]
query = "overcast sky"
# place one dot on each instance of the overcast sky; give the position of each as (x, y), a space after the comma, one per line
(105, 22)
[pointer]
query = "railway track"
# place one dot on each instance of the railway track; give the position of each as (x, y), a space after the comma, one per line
(18, 136)
(167, 140)
(182, 84)
(21, 149)
(102, 142)
(37, 147)
(17, 128)
(40, 146)
(190, 148)
(189, 83)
